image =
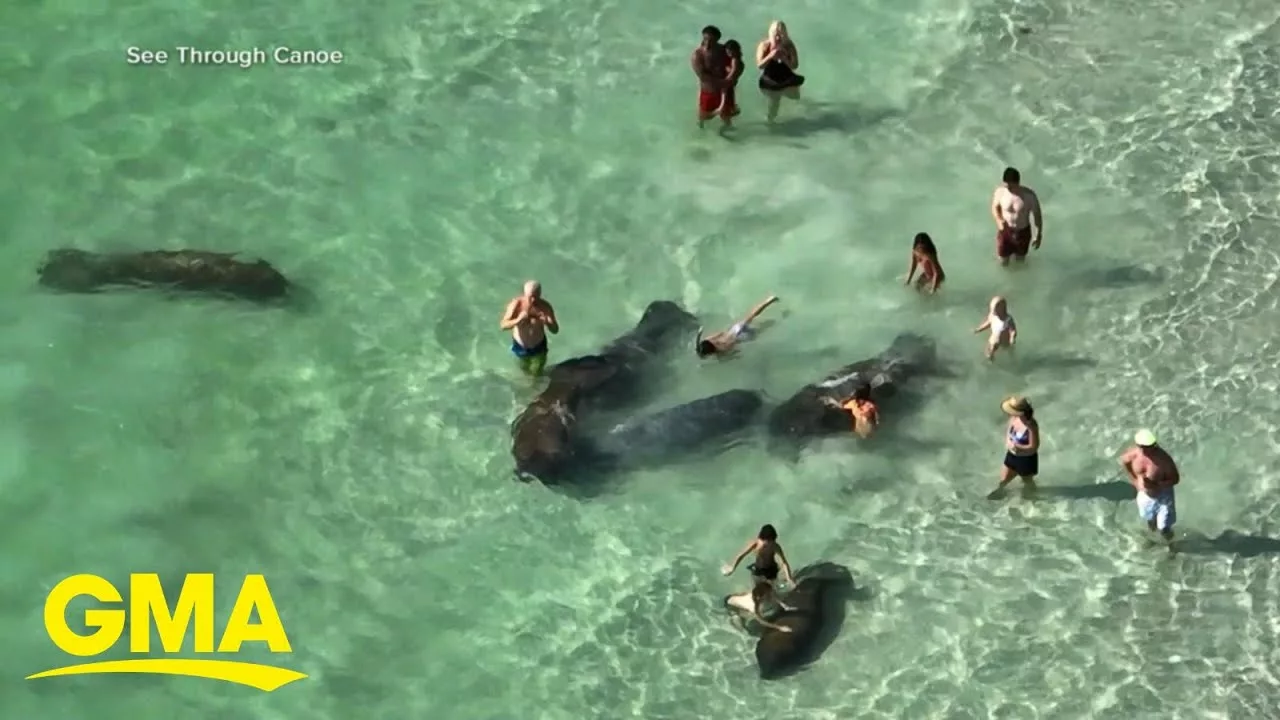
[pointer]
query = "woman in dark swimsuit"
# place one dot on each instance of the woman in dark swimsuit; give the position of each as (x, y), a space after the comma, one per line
(769, 558)
(778, 60)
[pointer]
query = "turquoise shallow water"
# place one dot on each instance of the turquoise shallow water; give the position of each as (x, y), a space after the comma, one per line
(356, 452)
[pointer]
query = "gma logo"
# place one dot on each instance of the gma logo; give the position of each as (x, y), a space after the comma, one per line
(147, 603)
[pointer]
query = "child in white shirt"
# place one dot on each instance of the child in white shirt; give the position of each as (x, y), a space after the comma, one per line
(1004, 331)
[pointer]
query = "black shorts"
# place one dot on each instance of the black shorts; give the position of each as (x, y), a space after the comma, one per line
(769, 572)
(1027, 466)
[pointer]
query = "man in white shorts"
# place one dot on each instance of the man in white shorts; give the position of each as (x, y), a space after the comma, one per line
(1014, 207)
(1153, 473)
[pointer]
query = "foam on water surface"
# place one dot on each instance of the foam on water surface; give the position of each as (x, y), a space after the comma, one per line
(356, 451)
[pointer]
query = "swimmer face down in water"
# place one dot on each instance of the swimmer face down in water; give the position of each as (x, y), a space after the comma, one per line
(726, 341)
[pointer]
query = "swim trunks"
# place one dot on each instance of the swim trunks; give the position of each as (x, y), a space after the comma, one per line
(532, 360)
(742, 332)
(768, 572)
(1015, 243)
(709, 101)
(1159, 509)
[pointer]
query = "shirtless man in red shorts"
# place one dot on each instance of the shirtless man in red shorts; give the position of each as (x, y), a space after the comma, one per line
(1015, 207)
(709, 63)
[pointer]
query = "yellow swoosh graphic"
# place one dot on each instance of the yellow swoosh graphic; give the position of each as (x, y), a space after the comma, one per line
(263, 677)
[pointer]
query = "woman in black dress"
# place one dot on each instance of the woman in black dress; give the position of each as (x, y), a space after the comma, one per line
(778, 60)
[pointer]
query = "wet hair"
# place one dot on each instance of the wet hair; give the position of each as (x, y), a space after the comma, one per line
(924, 244)
(733, 48)
(712, 31)
(1011, 175)
(767, 533)
(705, 348)
(862, 392)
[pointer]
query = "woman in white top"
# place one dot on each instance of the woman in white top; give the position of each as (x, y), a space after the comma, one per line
(1004, 331)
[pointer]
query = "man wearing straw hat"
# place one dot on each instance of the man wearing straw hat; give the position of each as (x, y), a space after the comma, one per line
(1153, 474)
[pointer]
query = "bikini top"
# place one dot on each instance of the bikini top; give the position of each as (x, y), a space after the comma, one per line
(1020, 438)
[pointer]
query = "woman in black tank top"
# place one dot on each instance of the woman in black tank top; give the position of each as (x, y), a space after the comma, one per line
(777, 58)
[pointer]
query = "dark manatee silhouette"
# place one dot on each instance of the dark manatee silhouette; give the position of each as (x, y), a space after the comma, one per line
(543, 441)
(666, 435)
(640, 354)
(196, 271)
(819, 602)
(805, 415)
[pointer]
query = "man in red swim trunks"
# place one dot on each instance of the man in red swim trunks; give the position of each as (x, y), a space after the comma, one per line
(1015, 207)
(709, 62)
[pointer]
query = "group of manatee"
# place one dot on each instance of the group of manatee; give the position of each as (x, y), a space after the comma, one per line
(575, 433)
(570, 433)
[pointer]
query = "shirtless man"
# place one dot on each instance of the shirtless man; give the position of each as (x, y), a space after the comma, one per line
(529, 318)
(1014, 206)
(710, 64)
(1153, 474)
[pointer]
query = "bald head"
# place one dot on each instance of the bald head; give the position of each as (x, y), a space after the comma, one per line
(532, 289)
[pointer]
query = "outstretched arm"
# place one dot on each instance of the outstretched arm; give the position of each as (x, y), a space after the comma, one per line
(761, 307)
(737, 560)
(986, 325)
(766, 623)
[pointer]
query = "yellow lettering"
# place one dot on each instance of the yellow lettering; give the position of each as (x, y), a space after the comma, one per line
(254, 594)
(110, 623)
(147, 602)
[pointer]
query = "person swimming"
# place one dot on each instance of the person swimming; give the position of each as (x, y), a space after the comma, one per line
(764, 595)
(924, 257)
(1004, 331)
(866, 417)
(724, 342)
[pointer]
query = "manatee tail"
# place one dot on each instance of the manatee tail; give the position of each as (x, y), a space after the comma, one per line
(913, 347)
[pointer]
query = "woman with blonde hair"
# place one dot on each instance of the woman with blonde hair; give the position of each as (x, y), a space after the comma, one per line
(778, 60)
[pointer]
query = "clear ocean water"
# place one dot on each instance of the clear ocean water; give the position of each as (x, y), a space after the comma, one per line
(357, 452)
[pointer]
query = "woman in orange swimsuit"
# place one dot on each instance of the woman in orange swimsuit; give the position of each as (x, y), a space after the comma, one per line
(924, 257)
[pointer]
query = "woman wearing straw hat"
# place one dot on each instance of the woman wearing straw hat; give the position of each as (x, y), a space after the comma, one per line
(1153, 474)
(1021, 444)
